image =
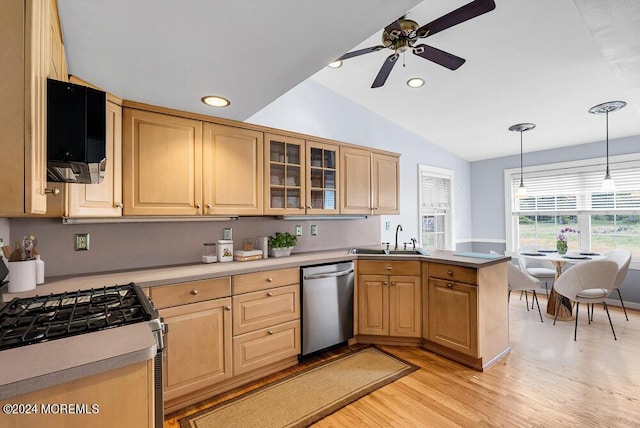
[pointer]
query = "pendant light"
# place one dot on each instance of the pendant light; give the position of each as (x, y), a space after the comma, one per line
(605, 108)
(521, 127)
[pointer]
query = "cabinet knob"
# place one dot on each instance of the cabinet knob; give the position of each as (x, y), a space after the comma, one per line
(194, 292)
(269, 294)
(450, 273)
(228, 308)
(270, 331)
(449, 285)
(55, 191)
(388, 267)
(393, 283)
(209, 206)
(309, 207)
(198, 206)
(269, 279)
(384, 283)
(119, 205)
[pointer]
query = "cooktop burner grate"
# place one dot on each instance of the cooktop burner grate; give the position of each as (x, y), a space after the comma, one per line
(25, 321)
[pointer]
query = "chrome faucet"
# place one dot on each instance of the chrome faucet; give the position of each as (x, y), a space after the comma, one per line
(399, 228)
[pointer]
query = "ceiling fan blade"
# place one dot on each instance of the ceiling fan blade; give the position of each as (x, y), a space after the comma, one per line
(443, 58)
(394, 29)
(385, 70)
(360, 52)
(464, 13)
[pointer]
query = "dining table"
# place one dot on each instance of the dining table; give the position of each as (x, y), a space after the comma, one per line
(565, 311)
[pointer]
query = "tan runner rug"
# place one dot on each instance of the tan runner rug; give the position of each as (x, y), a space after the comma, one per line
(306, 397)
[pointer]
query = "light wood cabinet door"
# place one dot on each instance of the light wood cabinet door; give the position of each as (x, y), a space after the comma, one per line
(386, 184)
(453, 315)
(198, 349)
(323, 176)
(404, 306)
(103, 199)
(162, 168)
(355, 188)
(284, 175)
(232, 170)
(265, 308)
(373, 305)
(270, 345)
(24, 31)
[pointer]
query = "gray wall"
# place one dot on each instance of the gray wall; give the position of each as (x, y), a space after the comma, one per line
(140, 245)
(487, 194)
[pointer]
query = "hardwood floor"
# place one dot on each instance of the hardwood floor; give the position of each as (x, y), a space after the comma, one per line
(546, 380)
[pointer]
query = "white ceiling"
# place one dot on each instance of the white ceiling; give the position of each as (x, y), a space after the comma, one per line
(526, 61)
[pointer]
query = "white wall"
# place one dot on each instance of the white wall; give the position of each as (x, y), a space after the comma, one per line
(311, 108)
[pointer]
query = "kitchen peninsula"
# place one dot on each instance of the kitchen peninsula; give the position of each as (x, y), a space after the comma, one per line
(459, 302)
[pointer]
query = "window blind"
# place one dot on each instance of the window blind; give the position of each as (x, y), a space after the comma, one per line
(435, 194)
(577, 190)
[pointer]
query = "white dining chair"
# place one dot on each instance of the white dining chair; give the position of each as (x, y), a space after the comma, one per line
(587, 282)
(539, 269)
(623, 260)
(519, 280)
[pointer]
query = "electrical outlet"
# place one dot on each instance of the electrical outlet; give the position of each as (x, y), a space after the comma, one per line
(298, 230)
(82, 241)
(387, 225)
(314, 230)
(227, 234)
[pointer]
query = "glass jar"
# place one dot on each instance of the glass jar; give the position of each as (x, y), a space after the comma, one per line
(209, 254)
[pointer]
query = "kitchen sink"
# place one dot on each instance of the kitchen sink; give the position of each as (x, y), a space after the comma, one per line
(410, 252)
(367, 251)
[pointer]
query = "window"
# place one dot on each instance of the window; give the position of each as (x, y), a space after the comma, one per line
(435, 209)
(569, 195)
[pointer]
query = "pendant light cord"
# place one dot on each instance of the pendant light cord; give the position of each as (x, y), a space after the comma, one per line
(521, 174)
(607, 121)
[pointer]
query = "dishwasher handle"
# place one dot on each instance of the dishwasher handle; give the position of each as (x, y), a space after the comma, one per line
(329, 274)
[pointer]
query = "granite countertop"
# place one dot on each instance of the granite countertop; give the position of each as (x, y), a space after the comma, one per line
(38, 366)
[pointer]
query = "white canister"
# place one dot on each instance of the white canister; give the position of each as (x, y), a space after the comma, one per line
(22, 276)
(263, 244)
(225, 250)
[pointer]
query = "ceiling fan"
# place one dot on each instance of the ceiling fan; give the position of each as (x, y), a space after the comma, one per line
(403, 34)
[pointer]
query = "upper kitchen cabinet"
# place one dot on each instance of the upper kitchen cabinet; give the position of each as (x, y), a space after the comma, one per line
(103, 199)
(58, 62)
(232, 170)
(162, 164)
(323, 178)
(284, 174)
(179, 166)
(369, 182)
(25, 57)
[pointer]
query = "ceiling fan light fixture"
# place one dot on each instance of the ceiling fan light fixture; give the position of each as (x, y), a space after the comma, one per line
(335, 64)
(415, 82)
(216, 101)
(521, 127)
(608, 184)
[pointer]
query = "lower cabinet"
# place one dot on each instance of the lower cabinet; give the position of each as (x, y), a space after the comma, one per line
(198, 349)
(453, 315)
(389, 298)
(266, 318)
(225, 332)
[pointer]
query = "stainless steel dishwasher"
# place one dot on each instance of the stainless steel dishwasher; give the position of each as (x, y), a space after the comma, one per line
(327, 306)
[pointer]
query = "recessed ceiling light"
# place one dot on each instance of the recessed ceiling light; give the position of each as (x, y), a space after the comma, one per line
(415, 82)
(215, 101)
(335, 64)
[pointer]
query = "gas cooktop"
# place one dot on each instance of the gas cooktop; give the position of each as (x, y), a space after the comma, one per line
(25, 321)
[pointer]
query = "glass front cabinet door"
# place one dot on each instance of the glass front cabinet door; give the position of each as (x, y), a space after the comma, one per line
(284, 175)
(322, 170)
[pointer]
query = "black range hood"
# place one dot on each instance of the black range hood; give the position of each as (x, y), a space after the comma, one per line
(76, 133)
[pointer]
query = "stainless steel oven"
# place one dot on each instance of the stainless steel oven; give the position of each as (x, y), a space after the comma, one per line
(30, 320)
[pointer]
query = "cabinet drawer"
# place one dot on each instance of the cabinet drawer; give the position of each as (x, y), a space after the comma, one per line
(376, 267)
(453, 273)
(190, 292)
(263, 347)
(265, 308)
(249, 282)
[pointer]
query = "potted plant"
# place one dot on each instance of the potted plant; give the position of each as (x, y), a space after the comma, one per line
(281, 244)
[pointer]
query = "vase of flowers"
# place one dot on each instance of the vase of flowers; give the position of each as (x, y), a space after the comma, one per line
(561, 244)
